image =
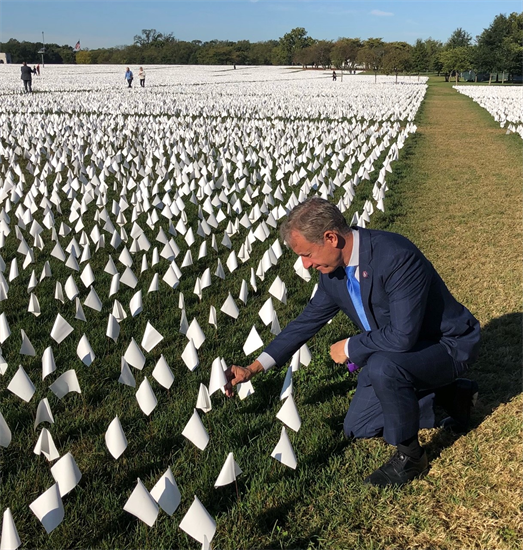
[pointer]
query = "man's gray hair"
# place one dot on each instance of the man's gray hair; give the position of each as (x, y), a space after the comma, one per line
(312, 218)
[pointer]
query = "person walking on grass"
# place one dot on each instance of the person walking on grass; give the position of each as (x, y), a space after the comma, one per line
(416, 340)
(141, 76)
(27, 77)
(129, 77)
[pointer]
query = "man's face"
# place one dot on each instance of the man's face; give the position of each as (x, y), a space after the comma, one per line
(325, 257)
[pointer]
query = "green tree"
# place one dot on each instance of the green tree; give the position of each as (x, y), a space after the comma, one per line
(131, 55)
(241, 52)
(457, 54)
(483, 60)
(371, 55)
(434, 48)
(67, 54)
(317, 54)
(345, 53)
(22, 51)
(397, 58)
(458, 39)
(291, 43)
(83, 57)
(148, 37)
(515, 46)
(420, 57)
(216, 52)
(181, 52)
(278, 56)
(490, 52)
(261, 52)
(500, 45)
(304, 57)
(457, 60)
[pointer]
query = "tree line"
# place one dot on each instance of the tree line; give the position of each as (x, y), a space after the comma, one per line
(497, 50)
(29, 51)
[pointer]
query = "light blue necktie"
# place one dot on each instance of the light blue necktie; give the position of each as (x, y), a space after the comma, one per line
(353, 286)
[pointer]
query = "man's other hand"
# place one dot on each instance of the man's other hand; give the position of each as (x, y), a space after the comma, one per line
(338, 352)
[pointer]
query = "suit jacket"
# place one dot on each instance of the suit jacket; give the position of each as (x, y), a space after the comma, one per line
(27, 72)
(404, 298)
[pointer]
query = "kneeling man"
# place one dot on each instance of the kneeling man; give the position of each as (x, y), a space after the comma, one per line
(415, 342)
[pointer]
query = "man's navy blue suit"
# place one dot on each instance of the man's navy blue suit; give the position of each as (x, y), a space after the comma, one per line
(421, 338)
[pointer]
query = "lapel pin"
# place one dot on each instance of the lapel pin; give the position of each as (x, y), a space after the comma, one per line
(365, 274)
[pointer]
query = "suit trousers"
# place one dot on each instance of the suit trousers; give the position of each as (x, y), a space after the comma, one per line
(395, 392)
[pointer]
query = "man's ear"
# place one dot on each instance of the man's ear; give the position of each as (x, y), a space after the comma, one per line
(332, 238)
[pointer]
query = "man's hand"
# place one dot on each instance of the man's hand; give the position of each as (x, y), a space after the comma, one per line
(338, 352)
(237, 375)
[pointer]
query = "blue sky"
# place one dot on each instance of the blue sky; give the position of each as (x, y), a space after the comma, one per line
(105, 23)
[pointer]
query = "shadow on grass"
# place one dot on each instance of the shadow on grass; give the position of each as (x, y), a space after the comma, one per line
(498, 369)
(338, 388)
(321, 454)
(497, 372)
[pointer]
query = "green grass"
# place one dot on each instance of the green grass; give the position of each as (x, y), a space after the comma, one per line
(93, 511)
(433, 199)
(459, 200)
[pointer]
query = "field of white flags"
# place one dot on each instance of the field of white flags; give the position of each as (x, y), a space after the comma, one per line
(139, 256)
(505, 104)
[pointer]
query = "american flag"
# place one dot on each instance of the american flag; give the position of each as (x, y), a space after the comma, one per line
(77, 47)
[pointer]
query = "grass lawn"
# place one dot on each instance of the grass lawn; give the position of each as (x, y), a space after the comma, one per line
(456, 192)
(460, 201)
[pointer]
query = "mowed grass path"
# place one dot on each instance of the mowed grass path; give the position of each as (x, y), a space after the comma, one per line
(461, 204)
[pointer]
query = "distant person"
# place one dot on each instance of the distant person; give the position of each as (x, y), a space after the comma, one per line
(27, 77)
(334, 76)
(38, 69)
(141, 76)
(129, 77)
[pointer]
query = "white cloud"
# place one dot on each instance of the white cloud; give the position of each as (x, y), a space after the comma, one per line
(380, 13)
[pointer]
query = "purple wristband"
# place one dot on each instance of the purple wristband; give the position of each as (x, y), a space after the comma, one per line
(352, 366)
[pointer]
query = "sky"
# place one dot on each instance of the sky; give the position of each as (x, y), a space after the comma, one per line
(107, 23)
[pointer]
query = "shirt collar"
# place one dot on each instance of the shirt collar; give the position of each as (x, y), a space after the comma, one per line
(355, 254)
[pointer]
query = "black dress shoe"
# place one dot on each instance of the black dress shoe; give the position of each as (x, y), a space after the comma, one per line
(400, 469)
(458, 399)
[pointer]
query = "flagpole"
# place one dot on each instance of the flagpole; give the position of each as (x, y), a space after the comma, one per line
(43, 49)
